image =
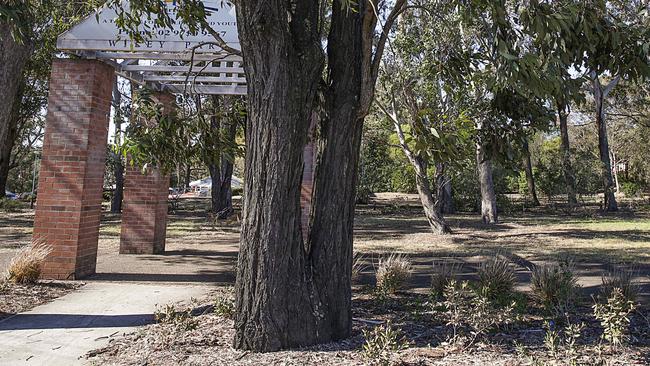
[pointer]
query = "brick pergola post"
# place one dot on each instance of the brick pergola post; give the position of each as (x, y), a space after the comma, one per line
(307, 185)
(144, 217)
(72, 168)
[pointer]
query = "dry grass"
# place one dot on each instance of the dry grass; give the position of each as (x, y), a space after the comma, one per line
(443, 273)
(622, 279)
(555, 285)
(393, 272)
(25, 267)
(357, 266)
(497, 277)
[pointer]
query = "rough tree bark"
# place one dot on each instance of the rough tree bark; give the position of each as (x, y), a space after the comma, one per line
(567, 169)
(13, 58)
(488, 196)
(278, 301)
(600, 94)
(530, 179)
(353, 65)
(444, 192)
(10, 140)
(118, 168)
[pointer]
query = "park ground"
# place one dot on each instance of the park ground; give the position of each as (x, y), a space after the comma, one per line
(205, 252)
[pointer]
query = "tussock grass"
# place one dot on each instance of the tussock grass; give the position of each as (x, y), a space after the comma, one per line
(393, 272)
(26, 265)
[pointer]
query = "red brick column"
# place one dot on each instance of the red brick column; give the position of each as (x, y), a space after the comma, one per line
(144, 216)
(72, 169)
(309, 157)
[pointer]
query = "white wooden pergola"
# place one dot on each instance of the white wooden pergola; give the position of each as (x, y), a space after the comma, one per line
(170, 59)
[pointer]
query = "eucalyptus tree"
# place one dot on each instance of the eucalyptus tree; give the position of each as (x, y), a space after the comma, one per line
(219, 148)
(15, 47)
(28, 31)
(602, 42)
(293, 290)
(427, 111)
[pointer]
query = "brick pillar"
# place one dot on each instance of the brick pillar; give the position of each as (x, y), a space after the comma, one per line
(72, 168)
(144, 216)
(309, 157)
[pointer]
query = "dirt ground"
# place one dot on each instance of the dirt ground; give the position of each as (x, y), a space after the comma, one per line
(198, 250)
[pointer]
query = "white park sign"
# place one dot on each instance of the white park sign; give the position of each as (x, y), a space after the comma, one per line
(98, 32)
(169, 58)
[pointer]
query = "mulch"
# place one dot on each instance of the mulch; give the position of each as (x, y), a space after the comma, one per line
(208, 342)
(17, 298)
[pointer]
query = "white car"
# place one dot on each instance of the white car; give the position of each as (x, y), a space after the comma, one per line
(11, 196)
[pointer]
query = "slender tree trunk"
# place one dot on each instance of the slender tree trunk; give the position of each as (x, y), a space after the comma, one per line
(444, 193)
(118, 168)
(13, 58)
(530, 179)
(432, 207)
(188, 175)
(279, 302)
(488, 196)
(615, 171)
(221, 170)
(600, 94)
(567, 169)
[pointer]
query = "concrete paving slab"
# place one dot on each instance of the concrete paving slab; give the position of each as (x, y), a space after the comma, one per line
(61, 332)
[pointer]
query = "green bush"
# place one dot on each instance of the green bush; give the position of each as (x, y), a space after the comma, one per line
(11, 205)
(631, 189)
(614, 317)
(380, 344)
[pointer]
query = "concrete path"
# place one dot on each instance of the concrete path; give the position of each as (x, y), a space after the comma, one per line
(61, 332)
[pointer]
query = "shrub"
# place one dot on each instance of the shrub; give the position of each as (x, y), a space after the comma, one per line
(614, 317)
(393, 273)
(554, 340)
(555, 286)
(497, 278)
(26, 265)
(380, 344)
(8, 205)
(631, 189)
(224, 307)
(182, 320)
(443, 273)
(472, 314)
(621, 279)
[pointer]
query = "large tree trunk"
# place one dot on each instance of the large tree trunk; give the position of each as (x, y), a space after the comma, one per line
(567, 169)
(13, 58)
(600, 94)
(488, 197)
(530, 179)
(336, 168)
(443, 191)
(279, 303)
(118, 168)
